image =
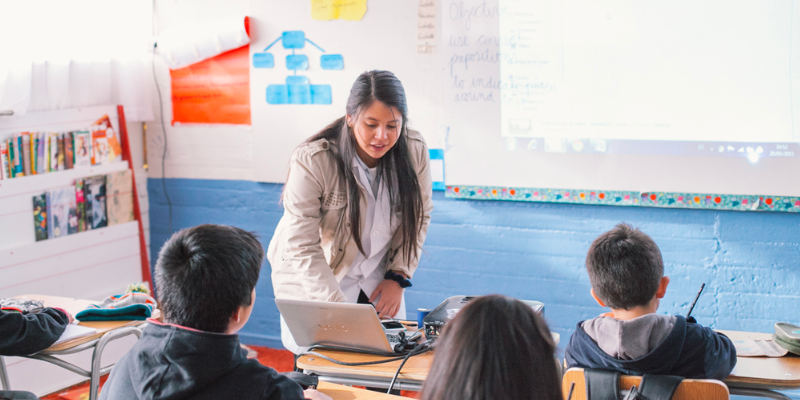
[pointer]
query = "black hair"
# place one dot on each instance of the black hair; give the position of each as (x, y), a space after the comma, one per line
(495, 348)
(625, 267)
(205, 273)
(395, 167)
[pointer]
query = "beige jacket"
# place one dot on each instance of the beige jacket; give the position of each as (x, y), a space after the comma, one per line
(312, 248)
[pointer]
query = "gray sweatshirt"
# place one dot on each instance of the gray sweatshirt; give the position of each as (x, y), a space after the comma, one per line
(632, 339)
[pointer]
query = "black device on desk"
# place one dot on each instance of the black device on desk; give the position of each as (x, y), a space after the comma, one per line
(443, 313)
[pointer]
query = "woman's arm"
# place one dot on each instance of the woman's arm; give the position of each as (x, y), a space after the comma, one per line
(302, 213)
(422, 161)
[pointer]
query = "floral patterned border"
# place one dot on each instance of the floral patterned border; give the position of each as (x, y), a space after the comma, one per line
(623, 198)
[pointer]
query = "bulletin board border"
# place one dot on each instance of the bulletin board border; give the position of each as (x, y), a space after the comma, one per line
(627, 198)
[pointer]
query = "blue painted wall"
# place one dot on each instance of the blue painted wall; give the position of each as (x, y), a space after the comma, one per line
(749, 261)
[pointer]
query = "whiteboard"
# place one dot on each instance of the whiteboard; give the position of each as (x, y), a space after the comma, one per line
(385, 39)
(623, 95)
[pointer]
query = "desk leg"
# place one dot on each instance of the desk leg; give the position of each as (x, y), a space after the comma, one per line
(4, 375)
(94, 380)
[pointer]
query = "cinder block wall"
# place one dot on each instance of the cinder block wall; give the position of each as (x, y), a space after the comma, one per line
(750, 261)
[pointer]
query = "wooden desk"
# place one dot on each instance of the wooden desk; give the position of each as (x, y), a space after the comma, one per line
(74, 306)
(777, 373)
(106, 331)
(411, 377)
(341, 392)
(760, 373)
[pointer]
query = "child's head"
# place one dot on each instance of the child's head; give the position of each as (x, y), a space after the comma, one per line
(206, 277)
(496, 347)
(625, 268)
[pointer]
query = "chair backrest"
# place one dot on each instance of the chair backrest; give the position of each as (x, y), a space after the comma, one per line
(690, 389)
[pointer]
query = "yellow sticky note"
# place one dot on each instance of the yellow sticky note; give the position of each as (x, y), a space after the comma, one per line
(351, 10)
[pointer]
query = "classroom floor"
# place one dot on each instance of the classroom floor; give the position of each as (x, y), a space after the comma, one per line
(281, 360)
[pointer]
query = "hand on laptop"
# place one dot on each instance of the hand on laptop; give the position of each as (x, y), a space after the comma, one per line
(391, 294)
(312, 394)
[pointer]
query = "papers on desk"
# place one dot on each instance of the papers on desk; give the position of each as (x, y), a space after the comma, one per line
(75, 331)
(758, 348)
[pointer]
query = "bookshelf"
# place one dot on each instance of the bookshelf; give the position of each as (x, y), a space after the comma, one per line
(89, 265)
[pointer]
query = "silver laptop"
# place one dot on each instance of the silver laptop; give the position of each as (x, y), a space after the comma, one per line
(335, 324)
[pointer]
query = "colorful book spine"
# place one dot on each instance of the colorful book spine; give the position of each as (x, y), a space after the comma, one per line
(83, 149)
(97, 184)
(69, 154)
(61, 147)
(26, 153)
(52, 140)
(18, 168)
(34, 153)
(40, 216)
(80, 201)
(12, 169)
(42, 152)
(87, 196)
(100, 151)
(4, 161)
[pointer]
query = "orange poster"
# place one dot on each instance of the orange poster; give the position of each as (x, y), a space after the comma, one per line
(214, 91)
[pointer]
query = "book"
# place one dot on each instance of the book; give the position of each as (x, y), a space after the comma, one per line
(42, 152)
(61, 163)
(75, 331)
(19, 169)
(119, 200)
(25, 150)
(12, 169)
(83, 149)
(60, 212)
(87, 203)
(114, 146)
(97, 198)
(80, 202)
(52, 140)
(99, 147)
(34, 152)
(40, 216)
(69, 156)
(4, 161)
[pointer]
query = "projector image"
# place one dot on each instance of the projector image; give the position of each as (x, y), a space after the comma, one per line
(443, 313)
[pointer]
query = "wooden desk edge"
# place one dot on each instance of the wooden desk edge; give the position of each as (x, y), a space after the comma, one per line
(341, 392)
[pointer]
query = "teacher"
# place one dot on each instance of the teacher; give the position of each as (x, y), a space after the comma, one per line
(357, 204)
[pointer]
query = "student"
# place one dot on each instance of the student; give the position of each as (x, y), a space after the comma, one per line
(495, 348)
(22, 334)
(627, 275)
(206, 278)
(357, 205)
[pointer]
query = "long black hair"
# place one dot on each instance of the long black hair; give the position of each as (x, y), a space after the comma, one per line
(396, 167)
(495, 348)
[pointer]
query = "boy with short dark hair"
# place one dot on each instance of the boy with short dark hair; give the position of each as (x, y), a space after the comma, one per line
(206, 278)
(627, 275)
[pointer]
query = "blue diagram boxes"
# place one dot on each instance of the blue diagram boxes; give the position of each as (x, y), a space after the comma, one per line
(297, 90)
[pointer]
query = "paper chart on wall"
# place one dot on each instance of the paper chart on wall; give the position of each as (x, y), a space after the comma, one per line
(326, 10)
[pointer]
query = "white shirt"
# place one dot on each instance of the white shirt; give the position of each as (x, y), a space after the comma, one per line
(367, 270)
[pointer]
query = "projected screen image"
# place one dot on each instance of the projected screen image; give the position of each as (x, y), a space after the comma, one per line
(674, 96)
(712, 78)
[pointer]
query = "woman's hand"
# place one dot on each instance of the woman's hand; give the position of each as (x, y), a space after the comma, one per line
(391, 295)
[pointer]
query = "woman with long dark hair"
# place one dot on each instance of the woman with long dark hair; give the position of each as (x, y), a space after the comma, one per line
(357, 204)
(495, 348)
